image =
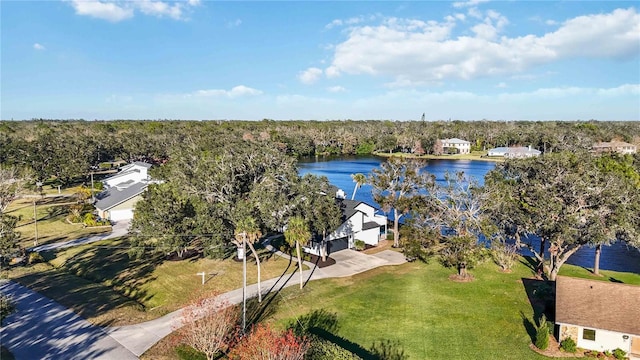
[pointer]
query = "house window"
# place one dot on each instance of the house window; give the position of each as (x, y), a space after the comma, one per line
(589, 334)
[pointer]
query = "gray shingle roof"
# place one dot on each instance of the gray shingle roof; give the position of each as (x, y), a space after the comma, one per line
(113, 196)
(598, 304)
(370, 225)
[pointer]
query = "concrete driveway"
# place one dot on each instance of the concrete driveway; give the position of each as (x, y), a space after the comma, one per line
(350, 262)
(43, 329)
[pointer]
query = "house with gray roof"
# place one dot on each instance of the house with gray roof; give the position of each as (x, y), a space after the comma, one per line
(514, 152)
(122, 191)
(599, 315)
(360, 222)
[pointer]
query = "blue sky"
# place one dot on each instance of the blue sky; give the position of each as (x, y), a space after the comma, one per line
(470, 60)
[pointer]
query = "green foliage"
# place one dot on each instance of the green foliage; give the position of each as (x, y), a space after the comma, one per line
(8, 235)
(365, 148)
(542, 334)
(89, 220)
(568, 345)
(360, 245)
(6, 307)
(186, 352)
(35, 257)
(321, 349)
(619, 354)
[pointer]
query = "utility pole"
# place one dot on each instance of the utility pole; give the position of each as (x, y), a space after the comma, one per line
(35, 219)
(244, 282)
(93, 199)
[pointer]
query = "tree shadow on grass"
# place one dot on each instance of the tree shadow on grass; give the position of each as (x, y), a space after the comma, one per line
(323, 325)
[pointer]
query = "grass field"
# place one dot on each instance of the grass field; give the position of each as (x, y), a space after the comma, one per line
(52, 227)
(416, 306)
(101, 283)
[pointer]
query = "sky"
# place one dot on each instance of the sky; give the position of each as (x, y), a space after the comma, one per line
(320, 60)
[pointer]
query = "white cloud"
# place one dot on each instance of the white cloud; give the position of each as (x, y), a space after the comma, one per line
(470, 3)
(235, 92)
(336, 89)
(310, 76)
(551, 22)
(102, 10)
(38, 46)
(351, 21)
(115, 11)
(234, 23)
(418, 52)
(501, 85)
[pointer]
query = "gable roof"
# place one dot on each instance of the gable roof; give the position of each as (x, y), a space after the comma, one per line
(113, 197)
(598, 304)
(348, 208)
(456, 141)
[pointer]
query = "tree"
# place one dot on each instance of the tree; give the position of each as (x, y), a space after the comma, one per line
(454, 209)
(248, 231)
(316, 203)
(12, 181)
(297, 234)
(164, 219)
(359, 179)
(264, 343)
(562, 198)
(207, 325)
(8, 236)
(394, 184)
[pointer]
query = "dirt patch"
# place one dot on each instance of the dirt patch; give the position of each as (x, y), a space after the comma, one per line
(187, 254)
(461, 279)
(382, 245)
(318, 260)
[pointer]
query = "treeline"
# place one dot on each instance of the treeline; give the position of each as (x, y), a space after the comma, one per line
(66, 149)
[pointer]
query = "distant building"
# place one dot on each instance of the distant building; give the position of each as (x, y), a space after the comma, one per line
(620, 147)
(122, 191)
(599, 315)
(514, 152)
(461, 146)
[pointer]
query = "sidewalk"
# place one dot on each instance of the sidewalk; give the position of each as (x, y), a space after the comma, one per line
(118, 229)
(139, 338)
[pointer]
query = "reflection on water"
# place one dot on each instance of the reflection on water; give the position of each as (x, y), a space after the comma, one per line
(338, 170)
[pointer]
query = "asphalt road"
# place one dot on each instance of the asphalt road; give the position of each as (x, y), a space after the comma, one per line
(43, 329)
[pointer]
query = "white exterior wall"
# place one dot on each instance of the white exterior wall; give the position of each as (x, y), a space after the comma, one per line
(605, 340)
(370, 236)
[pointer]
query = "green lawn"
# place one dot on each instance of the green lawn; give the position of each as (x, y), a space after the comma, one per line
(430, 316)
(580, 272)
(101, 283)
(52, 227)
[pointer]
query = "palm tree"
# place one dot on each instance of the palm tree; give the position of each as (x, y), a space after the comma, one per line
(297, 233)
(248, 230)
(360, 180)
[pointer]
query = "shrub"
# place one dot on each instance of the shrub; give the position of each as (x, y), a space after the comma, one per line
(35, 257)
(607, 353)
(89, 219)
(619, 354)
(360, 245)
(568, 345)
(321, 349)
(6, 307)
(592, 353)
(542, 335)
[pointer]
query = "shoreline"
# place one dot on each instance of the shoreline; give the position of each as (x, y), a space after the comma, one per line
(472, 157)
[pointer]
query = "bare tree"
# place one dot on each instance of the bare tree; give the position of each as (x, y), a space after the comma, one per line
(207, 325)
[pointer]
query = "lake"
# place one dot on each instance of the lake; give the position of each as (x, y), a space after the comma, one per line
(338, 170)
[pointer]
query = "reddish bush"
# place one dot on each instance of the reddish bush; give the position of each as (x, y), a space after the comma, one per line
(264, 343)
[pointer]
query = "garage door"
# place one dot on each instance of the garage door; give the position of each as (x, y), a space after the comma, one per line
(338, 244)
(125, 214)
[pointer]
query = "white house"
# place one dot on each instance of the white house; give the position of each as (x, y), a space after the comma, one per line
(463, 146)
(360, 222)
(514, 152)
(599, 315)
(615, 146)
(122, 191)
